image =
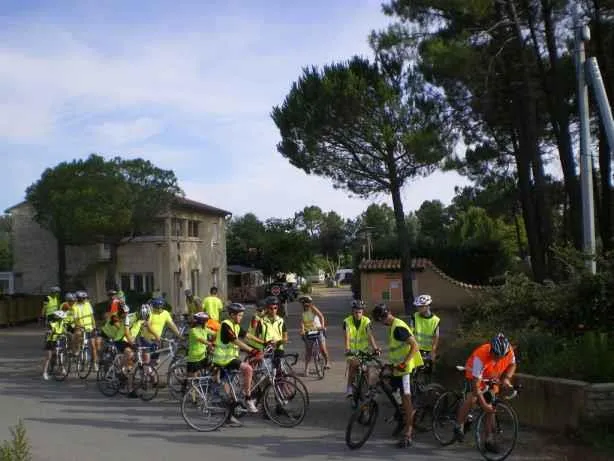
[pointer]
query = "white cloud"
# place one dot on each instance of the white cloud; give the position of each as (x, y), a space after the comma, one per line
(127, 132)
(211, 85)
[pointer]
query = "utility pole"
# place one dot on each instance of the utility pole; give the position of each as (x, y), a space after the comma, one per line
(582, 34)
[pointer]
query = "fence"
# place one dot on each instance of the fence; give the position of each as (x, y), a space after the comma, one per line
(20, 310)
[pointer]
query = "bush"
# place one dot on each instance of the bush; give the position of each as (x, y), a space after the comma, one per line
(17, 449)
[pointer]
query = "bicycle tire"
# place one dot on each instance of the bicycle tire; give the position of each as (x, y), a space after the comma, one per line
(360, 388)
(84, 364)
(301, 386)
(107, 381)
(445, 409)
(61, 371)
(189, 399)
(424, 406)
(174, 381)
(478, 432)
(141, 382)
(318, 363)
(357, 417)
(283, 390)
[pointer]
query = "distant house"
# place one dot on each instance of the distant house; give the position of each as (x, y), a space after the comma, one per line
(184, 248)
(380, 281)
(245, 284)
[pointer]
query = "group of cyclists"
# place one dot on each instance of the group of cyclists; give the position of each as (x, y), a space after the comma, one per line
(216, 341)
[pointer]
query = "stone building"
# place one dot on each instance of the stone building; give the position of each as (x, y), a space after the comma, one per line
(184, 248)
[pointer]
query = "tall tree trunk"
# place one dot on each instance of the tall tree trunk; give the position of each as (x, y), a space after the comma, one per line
(61, 247)
(530, 154)
(560, 120)
(405, 251)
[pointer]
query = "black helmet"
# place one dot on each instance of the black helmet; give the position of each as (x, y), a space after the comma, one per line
(380, 312)
(358, 304)
(270, 300)
(235, 308)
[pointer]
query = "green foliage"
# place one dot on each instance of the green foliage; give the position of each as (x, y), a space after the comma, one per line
(6, 250)
(18, 448)
(561, 329)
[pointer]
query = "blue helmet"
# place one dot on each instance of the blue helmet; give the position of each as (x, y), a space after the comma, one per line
(157, 303)
(500, 345)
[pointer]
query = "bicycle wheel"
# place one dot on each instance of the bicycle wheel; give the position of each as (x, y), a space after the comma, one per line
(278, 400)
(145, 382)
(444, 417)
(204, 410)
(60, 371)
(318, 361)
(300, 385)
(84, 363)
(175, 379)
(505, 433)
(107, 380)
(424, 405)
(365, 416)
(360, 388)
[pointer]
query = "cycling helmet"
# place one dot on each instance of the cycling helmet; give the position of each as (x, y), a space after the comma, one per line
(158, 303)
(81, 294)
(305, 299)
(499, 345)
(200, 318)
(70, 297)
(423, 300)
(380, 312)
(358, 304)
(271, 300)
(188, 293)
(145, 311)
(235, 308)
(59, 315)
(54, 289)
(121, 294)
(112, 292)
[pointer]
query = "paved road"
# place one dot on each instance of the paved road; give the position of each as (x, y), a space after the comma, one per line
(73, 421)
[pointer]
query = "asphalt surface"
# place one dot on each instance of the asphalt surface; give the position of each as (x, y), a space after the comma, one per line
(71, 420)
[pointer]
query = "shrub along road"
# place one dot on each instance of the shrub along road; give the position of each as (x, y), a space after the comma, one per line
(73, 421)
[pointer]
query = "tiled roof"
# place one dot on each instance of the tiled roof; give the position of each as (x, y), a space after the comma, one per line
(417, 264)
(391, 264)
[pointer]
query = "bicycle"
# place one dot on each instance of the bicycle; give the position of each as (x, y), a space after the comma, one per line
(425, 394)
(286, 371)
(269, 370)
(367, 410)
(313, 340)
(223, 396)
(83, 357)
(59, 365)
(446, 410)
(360, 384)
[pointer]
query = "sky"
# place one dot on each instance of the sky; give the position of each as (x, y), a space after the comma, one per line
(187, 85)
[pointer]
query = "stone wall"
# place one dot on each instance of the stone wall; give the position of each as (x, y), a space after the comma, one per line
(562, 404)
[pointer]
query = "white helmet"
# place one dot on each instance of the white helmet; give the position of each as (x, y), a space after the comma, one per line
(145, 311)
(60, 315)
(423, 300)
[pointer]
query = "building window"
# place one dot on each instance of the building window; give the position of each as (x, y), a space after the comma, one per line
(195, 275)
(215, 235)
(193, 228)
(139, 283)
(215, 277)
(177, 227)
